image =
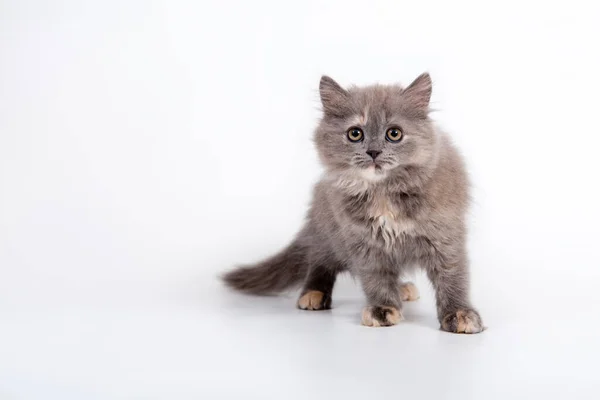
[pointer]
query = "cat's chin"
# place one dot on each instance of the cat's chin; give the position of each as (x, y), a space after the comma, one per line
(357, 180)
(372, 173)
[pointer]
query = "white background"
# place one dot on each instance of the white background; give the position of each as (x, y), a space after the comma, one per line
(145, 147)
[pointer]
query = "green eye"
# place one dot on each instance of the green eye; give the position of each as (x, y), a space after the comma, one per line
(355, 134)
(393, 135)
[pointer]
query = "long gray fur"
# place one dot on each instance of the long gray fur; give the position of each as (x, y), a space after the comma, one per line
(376, 218)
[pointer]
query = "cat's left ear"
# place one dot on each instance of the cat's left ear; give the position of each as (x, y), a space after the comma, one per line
(418, 94)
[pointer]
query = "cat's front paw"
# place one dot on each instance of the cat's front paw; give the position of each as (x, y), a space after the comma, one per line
(314, 300)
(462, 321)
(377, 316)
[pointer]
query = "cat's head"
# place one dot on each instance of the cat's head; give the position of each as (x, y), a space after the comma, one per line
(368, 132)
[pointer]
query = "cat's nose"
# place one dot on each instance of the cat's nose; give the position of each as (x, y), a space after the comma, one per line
(373, 153)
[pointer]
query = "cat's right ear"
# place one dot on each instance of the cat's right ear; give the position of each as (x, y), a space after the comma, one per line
(334, 98)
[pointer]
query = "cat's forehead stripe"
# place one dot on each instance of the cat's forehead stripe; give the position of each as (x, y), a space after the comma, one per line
(365, 115)
(360, 119)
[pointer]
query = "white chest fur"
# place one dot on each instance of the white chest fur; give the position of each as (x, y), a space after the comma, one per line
(387, 221)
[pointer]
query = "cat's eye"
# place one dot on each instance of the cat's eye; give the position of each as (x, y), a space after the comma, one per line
(355, 134)
(393, 135)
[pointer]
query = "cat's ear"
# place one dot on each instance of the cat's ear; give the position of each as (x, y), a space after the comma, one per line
(418, 95)
(334, 98)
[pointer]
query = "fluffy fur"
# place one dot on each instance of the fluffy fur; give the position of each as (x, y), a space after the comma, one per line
(377, 217)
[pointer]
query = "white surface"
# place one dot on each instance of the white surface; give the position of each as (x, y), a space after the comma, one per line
(146, 147)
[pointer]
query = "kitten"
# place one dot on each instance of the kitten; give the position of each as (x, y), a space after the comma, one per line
(394, 194)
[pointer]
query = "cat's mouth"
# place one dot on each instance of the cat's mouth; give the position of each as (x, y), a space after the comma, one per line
(373, 170)
(374, 166)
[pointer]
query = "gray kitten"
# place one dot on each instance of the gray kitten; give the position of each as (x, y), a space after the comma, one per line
(394, 194)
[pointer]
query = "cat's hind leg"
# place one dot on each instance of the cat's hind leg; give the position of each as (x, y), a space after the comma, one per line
(318, 286)
(408, 291)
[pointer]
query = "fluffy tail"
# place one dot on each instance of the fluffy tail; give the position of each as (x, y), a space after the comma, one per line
(273, 275)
